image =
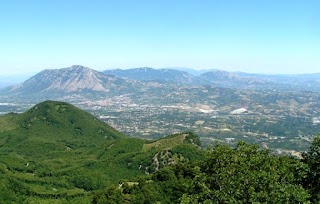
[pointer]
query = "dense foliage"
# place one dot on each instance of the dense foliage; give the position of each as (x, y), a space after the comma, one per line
(243, 174)
(312, 159)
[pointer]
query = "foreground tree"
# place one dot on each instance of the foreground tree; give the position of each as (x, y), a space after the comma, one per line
(246, 174)
(312, 159)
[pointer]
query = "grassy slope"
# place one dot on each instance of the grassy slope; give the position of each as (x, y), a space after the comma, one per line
(56, 153)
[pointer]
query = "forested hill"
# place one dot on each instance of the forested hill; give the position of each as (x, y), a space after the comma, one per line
(57, 153)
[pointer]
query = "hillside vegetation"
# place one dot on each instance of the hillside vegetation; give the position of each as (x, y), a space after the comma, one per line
(241, 174)
(56, 153)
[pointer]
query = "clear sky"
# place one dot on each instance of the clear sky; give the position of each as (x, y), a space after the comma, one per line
(262, 36)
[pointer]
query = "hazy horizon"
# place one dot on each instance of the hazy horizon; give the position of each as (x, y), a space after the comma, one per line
(268, 36)
(19, 77)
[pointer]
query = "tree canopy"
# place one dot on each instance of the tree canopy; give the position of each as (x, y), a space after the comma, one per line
(241, 174)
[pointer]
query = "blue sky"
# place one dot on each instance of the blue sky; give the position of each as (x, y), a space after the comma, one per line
(262, 36)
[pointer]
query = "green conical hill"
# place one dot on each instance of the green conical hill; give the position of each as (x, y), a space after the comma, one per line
(67, 118)
(54, 126)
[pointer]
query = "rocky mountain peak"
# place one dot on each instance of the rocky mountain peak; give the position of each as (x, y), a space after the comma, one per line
(71, 79)
(78, 68)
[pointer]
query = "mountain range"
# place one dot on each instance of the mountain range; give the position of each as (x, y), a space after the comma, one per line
(78, 79)
(150, 74)
(208, 77)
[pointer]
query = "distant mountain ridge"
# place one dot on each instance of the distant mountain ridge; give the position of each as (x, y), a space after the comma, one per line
(220, 78)
(209, 77)
(216, 75)
(151, 74)
(78, 79)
